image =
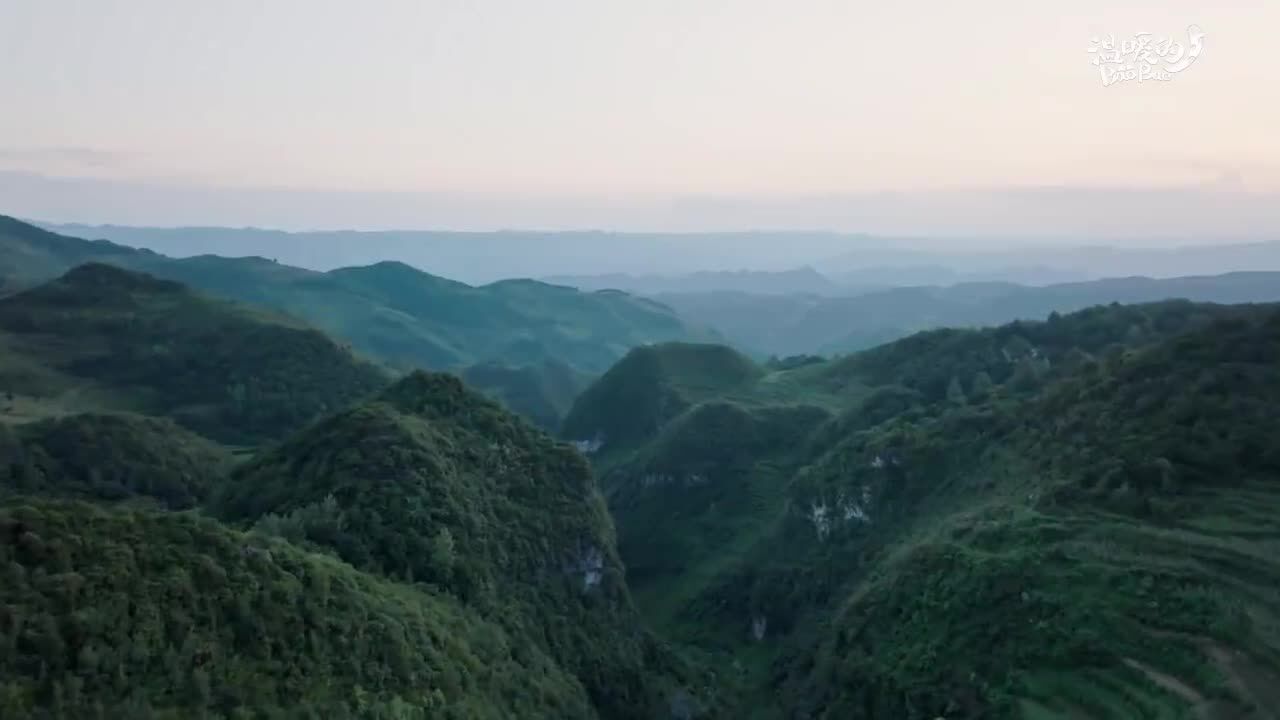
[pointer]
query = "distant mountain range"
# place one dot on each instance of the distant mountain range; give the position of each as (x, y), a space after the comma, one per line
(214, 510)
(804, 280)
(393, 312)
(652, 262)
(549, 338)
(800, 324)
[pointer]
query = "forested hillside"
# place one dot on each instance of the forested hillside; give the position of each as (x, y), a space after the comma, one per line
(1043, 520)
(432, 483)
(117, 613)
(103, 337)
(394, 313)
(110, 457)
(406, 550)
(209, 510)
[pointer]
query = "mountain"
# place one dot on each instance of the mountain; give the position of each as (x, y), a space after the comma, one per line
(423, 553)
(394, 313)
(1054, 519)
(803, 280)
(542, 393)
(650, 386)
(30, 255)
(111, 457)
(939, 257)
(960, 259)
(484, 257)
(794, 324)
(430, 482)
(117, 612)
(101, 337)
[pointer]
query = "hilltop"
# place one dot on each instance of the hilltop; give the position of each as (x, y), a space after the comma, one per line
(101, 337)
(431, 482)
(1039, 520)
(399, 315)
(30, 255)
(652, 385)
(420, 553)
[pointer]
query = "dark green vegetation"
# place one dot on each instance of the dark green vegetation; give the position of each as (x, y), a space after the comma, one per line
(110, 457)
(406, 550)
(766, 324)
(652, 385)
(400, 316)
(135, 614)
(541, 392)
(1067, 519)
(103, 337)
(423, 554)
(1074, 518)
(431, 483)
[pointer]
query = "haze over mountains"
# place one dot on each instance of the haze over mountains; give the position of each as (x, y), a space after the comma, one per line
(546, 339)
(856, 260)
(570, 360)
(879, 292)
(227, 487)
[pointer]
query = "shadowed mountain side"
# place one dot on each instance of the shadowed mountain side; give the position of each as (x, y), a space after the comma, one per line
(101, 337)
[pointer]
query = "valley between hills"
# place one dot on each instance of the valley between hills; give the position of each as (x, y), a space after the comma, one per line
(232, 488)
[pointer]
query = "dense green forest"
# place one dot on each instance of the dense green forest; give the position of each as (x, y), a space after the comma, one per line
(100, 336)
(111, 456)
(293, 535)
(209, 509)
(431, 483)
(113, 613)
(1042, 520)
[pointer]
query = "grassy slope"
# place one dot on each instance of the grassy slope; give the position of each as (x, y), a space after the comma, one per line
(101, 336)
(126, 613)
(923, 456)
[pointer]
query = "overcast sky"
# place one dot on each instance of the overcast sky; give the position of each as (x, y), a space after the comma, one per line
(644, 114)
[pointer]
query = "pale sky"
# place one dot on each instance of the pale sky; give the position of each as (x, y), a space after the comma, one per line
(610, 109)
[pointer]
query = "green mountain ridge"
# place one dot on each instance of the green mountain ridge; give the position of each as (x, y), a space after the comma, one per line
(1067, 519)
(1042, 520)
(422, 553)
(430, 482)
(650, 386)
(396, 314)
(101, 337)
(805, 323)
